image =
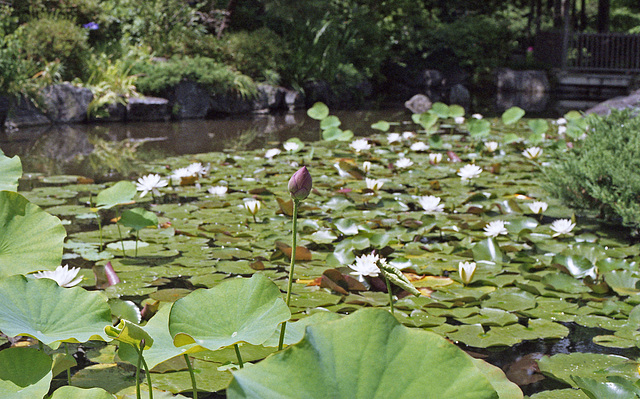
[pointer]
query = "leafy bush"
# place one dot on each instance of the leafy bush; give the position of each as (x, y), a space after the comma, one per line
(255, 53)
(601, 172)
(158, 76)
(50, 39)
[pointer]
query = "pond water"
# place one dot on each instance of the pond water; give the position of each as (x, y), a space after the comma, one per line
(63, 149)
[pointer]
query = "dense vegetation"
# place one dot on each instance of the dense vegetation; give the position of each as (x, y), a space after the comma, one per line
(101, 44)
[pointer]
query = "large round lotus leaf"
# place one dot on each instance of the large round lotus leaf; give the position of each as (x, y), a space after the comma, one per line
(120, 193)
(564, 366)
(616, 387)
(512, 115)
(44, 310)
(365, 355)
(25, 373)
(71, 392)
(138, 218)
(237, 310)
(318, 111)
(10, 172)
(30, 238)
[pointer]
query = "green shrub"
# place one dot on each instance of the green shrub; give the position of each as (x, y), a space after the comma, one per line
(218, 78)
(52, 39)
(602, 173)
(255, 53)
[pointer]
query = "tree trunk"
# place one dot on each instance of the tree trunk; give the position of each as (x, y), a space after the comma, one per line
(603, 15)
(231, 7)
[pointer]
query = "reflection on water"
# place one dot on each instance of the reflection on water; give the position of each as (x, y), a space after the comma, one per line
(65, 149)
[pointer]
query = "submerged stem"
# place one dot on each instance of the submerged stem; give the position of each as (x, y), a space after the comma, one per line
(193, 377)
(390, 293)
(237, 348)
(293, 261)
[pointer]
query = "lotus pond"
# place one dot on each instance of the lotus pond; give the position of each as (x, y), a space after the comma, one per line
(184, 272)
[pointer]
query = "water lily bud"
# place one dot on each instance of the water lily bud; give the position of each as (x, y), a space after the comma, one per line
(300, 184)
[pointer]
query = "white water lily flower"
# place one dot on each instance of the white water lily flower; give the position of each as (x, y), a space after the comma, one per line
(272, 152)
(562, 226)
(196, 169)
(491, 146)
(253, 206)
(403, 163)
(532, 152)
(469, 171)
(419, 146)
(394, 138)
(562, 129)
(218, 190)
(62, 275)
(366, 166)
(476, 116)
(291, 146)
(373, 184)
(538, 207)
(466, 271)
(366, 265)
(459, 120)
(495, 228)
(408, 135)
(561, 121)
(360, 144)
(435, 158)
(431, 204)
(151, 182)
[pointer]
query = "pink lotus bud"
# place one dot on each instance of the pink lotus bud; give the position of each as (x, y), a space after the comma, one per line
(112, 277)
(300, 184)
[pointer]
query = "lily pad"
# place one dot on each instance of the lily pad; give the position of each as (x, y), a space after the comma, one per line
(71, 392)
(400, 363)
(10, 172)
(237, 310)
(512, 115)
(44, 310)
(563, 366)
(25, 373)
(120, 193)
(30, 238)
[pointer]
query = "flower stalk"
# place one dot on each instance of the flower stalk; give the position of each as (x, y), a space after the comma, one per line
(193, 377)
(237, 348)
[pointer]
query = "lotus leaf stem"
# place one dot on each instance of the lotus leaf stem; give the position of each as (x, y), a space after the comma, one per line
(138, 396)
(120, 234)
(193, 377)
(146, 370)
(237, 348)
(66, 351)
(386, 279)
(293, 260)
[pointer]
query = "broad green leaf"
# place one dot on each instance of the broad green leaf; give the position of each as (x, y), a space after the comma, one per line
(237, 310)
(25, 373)
(538, 126)
(120, 193)
(487, 250)
(381, 125)
(295, 331)
(455, 111)
(621, 389)
(576, 266)
(479, 128)
(318, 111)
(563, 366)
(129, 333)
(138, 218)
(337, 134)
(440, 109)
(367, 355)
(426, 119)
(347, 227)
(10, 172)
(329, 122)
(505, 388)
(30, 238)
(44, 310)
(71, 392)
(623, 282)
(512, 115)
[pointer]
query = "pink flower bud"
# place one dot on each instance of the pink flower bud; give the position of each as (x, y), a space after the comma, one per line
(300, 184)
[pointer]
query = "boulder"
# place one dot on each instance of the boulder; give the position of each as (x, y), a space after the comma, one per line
(230, 103)
(113, 112)
(418, 104)
(622, 102)
(269, 98)
(148, 109)
(189, 100)
(458, 94)
(65, 103)
(527, 81)
(293, 99)
(23, 112)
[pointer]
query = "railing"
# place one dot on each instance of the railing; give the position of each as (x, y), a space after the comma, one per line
(603, 52)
